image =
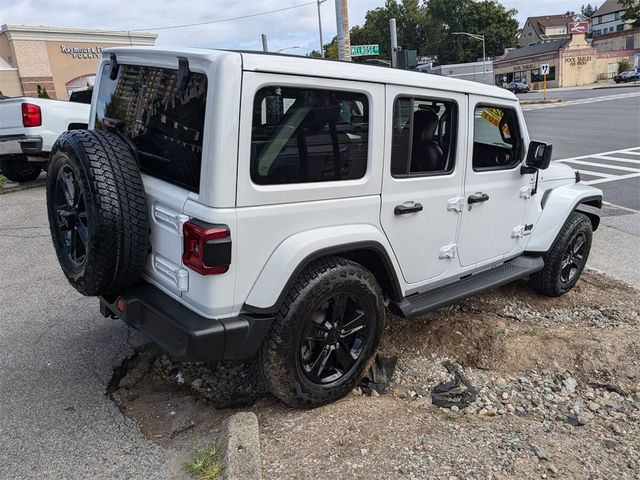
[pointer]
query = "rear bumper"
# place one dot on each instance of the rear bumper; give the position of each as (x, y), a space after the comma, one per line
(20, 144)
(181, 332)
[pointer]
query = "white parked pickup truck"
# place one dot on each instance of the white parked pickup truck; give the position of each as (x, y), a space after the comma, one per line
(30, 126)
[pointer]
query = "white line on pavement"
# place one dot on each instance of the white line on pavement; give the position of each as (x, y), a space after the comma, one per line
(607, 166)
(633, 153)
(615, 159)
(613, 179)
(626, 150)
(584, 101)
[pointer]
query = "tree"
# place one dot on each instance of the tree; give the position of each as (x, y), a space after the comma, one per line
(588, 10)
(427, 26)
(632, 11)
(624, 65)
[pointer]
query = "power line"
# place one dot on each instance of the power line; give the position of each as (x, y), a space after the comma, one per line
(226, 19)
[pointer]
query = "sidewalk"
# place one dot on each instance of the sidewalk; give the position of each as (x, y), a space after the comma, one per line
(616, 248)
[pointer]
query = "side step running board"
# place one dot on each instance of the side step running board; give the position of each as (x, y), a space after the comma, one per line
(425, 302)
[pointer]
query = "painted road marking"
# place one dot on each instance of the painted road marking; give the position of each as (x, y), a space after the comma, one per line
(605, 161)
(582, 101)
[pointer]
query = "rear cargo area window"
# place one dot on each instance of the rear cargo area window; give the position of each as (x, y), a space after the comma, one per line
(302, 135)
(165, 123)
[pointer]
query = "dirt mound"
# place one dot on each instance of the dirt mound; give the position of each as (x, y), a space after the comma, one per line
(558, 384)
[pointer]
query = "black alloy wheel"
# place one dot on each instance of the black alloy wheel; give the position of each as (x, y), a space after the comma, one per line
(573, 258)
(334, 338)
(71, 216)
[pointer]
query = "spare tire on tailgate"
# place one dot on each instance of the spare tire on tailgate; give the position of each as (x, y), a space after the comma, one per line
(97, 211)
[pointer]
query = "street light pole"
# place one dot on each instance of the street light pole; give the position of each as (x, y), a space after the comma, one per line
(319, 2)
(484, 53)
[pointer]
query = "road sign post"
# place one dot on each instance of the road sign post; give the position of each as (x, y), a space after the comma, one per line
(544, 70)
(363, 50)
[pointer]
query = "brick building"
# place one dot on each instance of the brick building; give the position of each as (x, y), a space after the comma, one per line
(58, 59)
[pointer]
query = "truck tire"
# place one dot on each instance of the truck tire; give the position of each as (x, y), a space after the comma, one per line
(18, 169)
(97, 211)
(325, 335)
(566, 259)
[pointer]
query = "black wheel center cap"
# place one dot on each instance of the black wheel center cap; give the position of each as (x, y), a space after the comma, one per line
(332, 336)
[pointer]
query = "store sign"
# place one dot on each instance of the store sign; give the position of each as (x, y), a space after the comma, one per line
(82, 52)
(576, 28)
(577, 61)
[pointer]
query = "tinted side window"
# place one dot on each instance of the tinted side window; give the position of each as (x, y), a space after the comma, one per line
(424, 137)
(302, 135)
(497, 144)
(165, 124)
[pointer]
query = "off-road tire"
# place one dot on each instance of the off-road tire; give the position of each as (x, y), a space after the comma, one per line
(116, 211)
(278, 358)
(548, 280)
(18, 169)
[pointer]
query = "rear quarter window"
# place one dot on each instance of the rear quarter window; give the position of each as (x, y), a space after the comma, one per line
(164, 123)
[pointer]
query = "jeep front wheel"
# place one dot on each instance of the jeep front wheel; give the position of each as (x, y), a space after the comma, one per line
(566, 259)
(325, 335)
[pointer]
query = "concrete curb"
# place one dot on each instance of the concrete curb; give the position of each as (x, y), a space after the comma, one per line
(241, 456)
(541, 101)
(11, 187)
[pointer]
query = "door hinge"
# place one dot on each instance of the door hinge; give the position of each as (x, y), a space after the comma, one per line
(455, 204)
(521, 231)
(448, 251)
(525, 192)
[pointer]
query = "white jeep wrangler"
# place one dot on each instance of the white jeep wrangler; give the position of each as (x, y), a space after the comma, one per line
(232, 205)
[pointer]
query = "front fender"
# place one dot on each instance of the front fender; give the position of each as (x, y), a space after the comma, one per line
(557, 205)
(297, 251)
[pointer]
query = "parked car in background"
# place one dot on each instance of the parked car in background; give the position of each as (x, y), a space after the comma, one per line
(30, 126)
(629, 76)
(518, 87)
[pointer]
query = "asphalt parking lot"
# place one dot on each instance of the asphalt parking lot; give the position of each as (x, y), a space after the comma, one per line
(57, 358)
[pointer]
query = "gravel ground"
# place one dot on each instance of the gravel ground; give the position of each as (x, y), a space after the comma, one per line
(558, 384)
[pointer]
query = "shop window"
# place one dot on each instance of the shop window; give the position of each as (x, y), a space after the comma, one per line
(520, 77)
(537, 77)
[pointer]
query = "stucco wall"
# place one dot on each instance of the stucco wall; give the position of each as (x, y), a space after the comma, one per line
(10, 83)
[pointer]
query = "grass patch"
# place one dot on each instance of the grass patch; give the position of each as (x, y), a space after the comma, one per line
(532, 333)
(496, 332)
(3, 181)
(206, 464)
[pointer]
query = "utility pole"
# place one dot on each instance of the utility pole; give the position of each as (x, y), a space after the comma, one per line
(319, 2)
(342, 22)
(394, 43)
(265, 48)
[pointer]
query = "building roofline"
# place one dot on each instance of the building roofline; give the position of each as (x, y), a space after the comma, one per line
(65, 34)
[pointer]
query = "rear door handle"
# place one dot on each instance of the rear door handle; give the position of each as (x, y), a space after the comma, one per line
(408, 207)
(478, 198)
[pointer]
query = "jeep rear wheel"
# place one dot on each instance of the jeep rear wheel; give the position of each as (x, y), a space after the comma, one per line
(18, 169)
(97, 211)
(325, 335)
(566, 259)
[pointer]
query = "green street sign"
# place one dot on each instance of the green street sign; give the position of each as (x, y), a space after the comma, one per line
(362, 50)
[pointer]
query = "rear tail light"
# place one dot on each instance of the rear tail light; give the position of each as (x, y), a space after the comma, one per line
(31, 115)
(207, 247)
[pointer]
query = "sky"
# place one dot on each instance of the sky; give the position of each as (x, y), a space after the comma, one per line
(287, 29)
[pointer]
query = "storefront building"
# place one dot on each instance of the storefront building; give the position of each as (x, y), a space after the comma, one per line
(572, 62)
(59, 60)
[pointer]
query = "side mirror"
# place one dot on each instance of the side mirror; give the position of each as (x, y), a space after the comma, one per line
(539, 155)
